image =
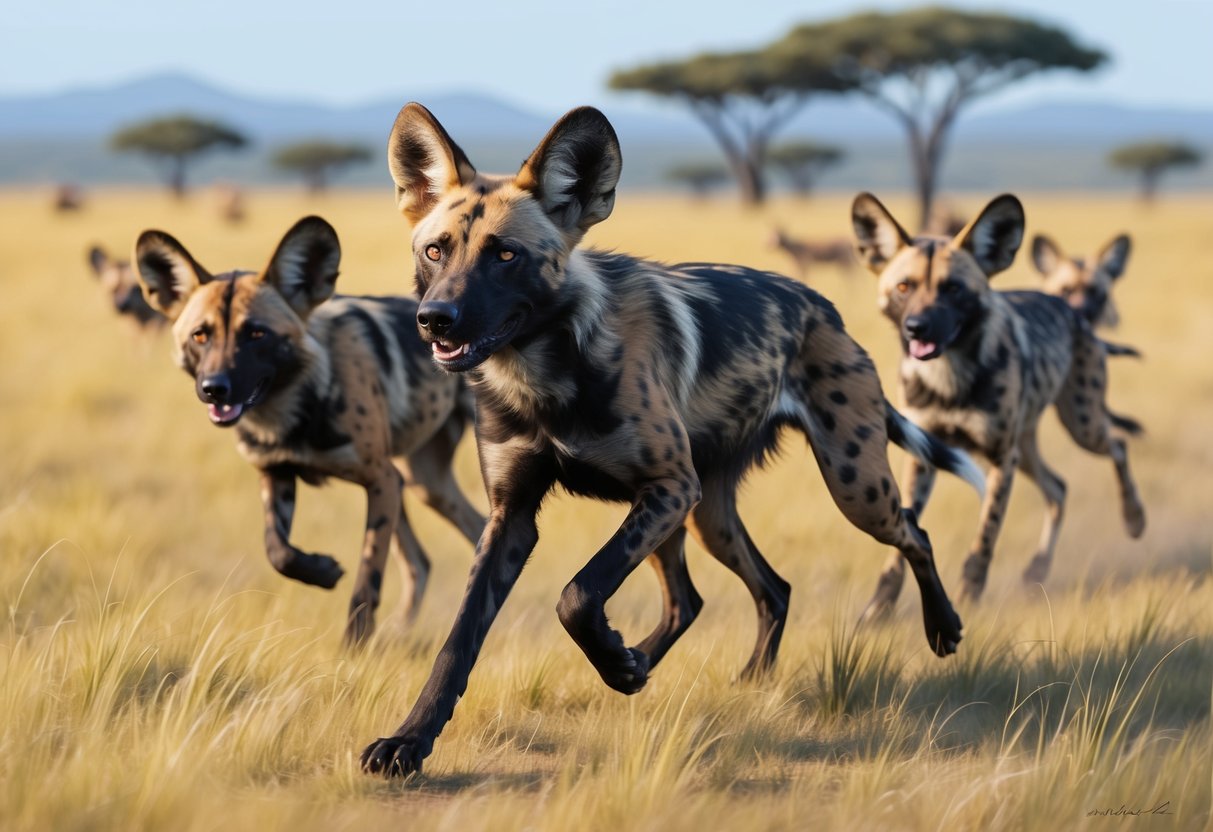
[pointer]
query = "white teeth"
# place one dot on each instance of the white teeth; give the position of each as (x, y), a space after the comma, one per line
(227, 408)
(446, 350)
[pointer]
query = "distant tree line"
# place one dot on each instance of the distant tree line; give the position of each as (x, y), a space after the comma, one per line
(922, 67)
(174, 143)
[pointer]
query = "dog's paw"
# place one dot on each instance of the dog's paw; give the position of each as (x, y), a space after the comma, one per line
(1135, 519)
(976, 568)
(393, 757)
(314, 570)
(943, 630)
(627, 672)
(1038, 569)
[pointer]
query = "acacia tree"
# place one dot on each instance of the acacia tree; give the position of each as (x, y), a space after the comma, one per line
(742, 98)
(700, 177)
(1151, 159)
(176, 141)
(316, 161)
(803, 162)
(925, 65)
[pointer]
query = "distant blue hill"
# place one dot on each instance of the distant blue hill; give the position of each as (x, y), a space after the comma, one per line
(62, 136)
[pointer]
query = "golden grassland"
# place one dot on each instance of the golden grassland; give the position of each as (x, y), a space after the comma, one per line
(155, 672)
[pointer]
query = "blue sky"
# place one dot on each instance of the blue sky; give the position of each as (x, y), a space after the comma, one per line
(543, 54)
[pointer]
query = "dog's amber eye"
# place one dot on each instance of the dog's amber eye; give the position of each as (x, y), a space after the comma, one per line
(200, 336)
(505, 255)
(433, 252)
(903, 287)
(256, 333)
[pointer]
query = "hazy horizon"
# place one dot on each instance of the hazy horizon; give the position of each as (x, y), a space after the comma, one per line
(539, 54)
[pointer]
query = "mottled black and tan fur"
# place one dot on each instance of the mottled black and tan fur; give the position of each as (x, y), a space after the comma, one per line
(318, 385)
(628, 380)
(121, 286)
(1084, 283)
(980, 367)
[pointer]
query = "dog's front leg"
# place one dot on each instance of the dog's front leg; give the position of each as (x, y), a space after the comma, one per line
(383, 495)
(516, 484)
(278, 497)
(993, 512)
(660, 509)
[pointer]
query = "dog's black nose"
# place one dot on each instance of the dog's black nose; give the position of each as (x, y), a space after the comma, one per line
(216, 388)
(916, 326)
(437, 316)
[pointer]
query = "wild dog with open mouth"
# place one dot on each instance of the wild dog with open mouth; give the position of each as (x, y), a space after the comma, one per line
(1085, 284)
(628, 380)
(118, 280)
(318, 385)
(981, 366)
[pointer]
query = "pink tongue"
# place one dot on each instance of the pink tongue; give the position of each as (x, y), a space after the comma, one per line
(918, 349)
(220, 416)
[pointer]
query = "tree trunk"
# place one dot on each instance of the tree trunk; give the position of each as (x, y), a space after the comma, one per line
(741, 158)
(316, 180)
(749, 185)
(1149, 184)
(176, 175)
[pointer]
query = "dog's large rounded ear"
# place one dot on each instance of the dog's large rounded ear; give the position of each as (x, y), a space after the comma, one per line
(168, 272)
(574, 171)
(994, 237)
(1114, 256)
(304, 267)
(878, 237)
(424, 161)
(97, 260)
(1046, 255)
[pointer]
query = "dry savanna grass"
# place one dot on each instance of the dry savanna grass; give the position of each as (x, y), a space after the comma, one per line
(155, 672)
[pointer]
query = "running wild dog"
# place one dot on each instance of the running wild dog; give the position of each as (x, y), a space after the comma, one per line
(980, 367)
(318, 385)
(119, 282)
(1085, 284)
(627, 380)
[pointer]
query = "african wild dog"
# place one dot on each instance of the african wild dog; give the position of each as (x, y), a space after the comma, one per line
(1084, 284)
(981, 366)
(318, 386)
(122, 287)
(627, 380)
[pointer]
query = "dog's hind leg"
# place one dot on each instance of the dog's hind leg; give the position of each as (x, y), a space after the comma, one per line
(717, 526)
(1053, 488)
(414, 568)
(835, 395)
(919, 479)
(430, 475)
(1082, 406)
(680, 602)
(384, 489)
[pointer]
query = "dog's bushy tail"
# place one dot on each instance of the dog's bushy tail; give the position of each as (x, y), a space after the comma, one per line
(930, 451)
(1120, 349)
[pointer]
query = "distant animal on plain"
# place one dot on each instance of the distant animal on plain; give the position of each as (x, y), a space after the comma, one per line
(317, 385)
(980, 367)
(1084, 283)
(68, 199)
(231, 204)
(631, 381)
(122, 288)
(807, 253)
